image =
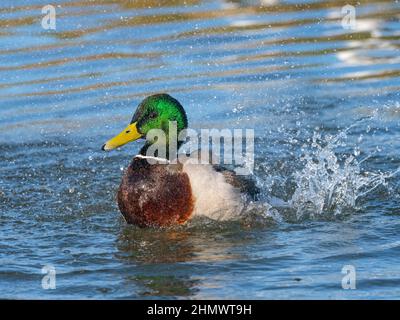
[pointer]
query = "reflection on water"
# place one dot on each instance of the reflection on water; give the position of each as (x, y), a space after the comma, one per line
(169, 248)
(200, 242)
(285, 68)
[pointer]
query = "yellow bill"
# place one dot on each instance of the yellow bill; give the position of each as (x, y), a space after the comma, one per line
(130, 133)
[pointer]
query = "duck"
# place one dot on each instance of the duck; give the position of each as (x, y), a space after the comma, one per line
(164, 193)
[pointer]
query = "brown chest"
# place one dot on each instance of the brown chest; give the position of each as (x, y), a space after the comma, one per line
(155, 195)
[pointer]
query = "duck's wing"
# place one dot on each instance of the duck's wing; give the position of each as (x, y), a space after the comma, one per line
(243, 183)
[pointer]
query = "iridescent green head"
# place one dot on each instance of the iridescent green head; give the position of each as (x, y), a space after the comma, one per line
(154, 112)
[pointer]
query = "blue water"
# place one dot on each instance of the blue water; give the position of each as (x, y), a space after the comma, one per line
(324, 104)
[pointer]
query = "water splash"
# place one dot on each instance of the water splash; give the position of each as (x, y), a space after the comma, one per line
(330, 182)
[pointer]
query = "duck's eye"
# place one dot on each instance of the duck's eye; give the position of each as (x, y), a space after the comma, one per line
(127, 131)
(153, 115)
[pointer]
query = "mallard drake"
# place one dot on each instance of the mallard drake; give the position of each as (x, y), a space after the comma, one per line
(165, 194)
